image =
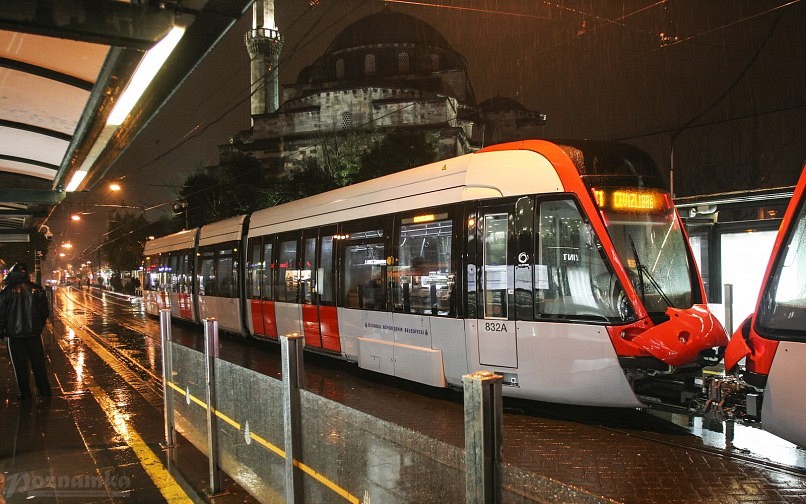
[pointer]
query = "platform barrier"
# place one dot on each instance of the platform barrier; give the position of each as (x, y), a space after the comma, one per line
(282, 443)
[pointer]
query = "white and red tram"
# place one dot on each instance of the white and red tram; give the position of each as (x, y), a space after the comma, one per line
(562, 267)
(773, 339)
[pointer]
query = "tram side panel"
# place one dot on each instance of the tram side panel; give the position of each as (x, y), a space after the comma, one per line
(218, 279)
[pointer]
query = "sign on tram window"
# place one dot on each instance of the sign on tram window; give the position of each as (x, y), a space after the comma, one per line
(541, 277)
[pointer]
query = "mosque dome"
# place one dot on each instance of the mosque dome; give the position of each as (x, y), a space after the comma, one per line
(388, 27)
(391, 50)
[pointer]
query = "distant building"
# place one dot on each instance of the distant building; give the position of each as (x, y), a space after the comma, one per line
(385, 72)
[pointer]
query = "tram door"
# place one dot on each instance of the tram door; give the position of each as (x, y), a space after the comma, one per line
(496, 325)
(317, 293)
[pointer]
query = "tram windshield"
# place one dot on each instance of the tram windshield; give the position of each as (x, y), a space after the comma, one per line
(649, 240)
(783, 307)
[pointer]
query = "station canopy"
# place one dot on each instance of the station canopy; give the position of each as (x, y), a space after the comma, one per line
(78, 81)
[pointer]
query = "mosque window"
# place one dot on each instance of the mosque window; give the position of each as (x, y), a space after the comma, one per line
(346, 120)
(403, 62)
(434, 62)
(369, 64)
(339, 68)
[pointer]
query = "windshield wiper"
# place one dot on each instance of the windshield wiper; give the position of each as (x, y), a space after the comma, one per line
(643, 270)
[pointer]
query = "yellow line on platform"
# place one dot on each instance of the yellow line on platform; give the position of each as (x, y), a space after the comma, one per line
(167, 485)
(321, 478)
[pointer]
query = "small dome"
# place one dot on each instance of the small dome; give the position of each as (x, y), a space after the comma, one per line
(388, 27)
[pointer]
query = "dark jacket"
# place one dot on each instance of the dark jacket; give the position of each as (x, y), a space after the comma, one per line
(24, 307)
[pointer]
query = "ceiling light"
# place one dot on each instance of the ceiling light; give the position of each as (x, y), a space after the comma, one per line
(146, 70)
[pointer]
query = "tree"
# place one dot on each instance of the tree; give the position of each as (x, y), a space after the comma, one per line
(212, 194)
(125, 239)
(397, 151)
(341, 158)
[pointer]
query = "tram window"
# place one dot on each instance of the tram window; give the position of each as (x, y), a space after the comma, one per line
(184, 272)
(782, 313)
(306, 277)
(324, 276)
(164, 272)
(572, 280)
(226, 282)
(494, 255)
(364, 276)
(151, 269)
(268, 268)
(523, 258)
(172, 272)
(363, 262)
(470, 269)
(207, 285)
(254, 265)
(423, 279)
(287, 278)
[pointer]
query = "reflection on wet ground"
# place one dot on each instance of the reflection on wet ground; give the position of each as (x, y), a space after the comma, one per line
(626, 455)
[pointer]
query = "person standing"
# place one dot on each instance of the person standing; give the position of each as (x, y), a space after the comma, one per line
(24, 308)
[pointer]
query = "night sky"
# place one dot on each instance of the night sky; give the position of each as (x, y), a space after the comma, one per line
(725, 85)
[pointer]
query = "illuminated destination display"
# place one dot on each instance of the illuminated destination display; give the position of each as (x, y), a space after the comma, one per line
(630, 200)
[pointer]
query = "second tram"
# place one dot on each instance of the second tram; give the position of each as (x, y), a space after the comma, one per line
(773, 339)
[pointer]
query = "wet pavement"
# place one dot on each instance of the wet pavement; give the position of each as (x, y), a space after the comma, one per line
(103, 426)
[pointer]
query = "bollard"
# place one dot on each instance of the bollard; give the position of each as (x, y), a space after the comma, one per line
(483, 437)
(211, 354)
(728, 300)
(167, 375)
(291, 349)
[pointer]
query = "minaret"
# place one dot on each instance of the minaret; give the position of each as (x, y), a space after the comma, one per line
(264, 43)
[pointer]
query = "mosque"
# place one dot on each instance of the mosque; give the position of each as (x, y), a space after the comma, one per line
(386, 73)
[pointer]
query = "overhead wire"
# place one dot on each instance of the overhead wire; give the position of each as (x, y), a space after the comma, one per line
(198, 129)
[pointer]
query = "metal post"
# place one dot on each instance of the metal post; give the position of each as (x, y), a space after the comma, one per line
(211, 354)
(167, 376)
(291, 350)
(728, 299)
(483, 436)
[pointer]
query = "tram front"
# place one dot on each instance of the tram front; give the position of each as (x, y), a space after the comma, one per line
(671, 334)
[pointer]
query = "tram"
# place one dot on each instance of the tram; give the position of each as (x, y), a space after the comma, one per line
(773, 339)
(563, 267)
